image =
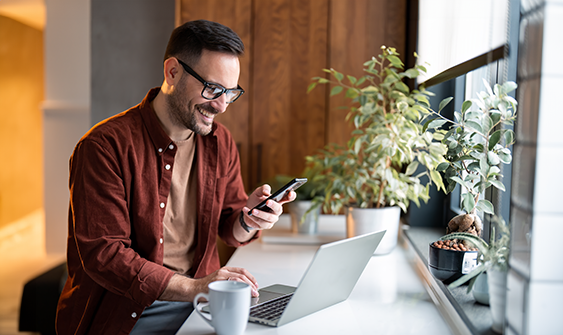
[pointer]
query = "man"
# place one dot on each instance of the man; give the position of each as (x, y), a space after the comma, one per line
(151, 189)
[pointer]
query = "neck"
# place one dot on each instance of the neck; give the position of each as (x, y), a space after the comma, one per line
(173, 130)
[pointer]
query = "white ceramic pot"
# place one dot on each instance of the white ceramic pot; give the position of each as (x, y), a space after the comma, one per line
(361, 221)
(481, 289)
(309, 225)
(497, 297)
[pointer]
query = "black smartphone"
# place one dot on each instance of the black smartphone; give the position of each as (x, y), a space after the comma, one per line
(291, 186)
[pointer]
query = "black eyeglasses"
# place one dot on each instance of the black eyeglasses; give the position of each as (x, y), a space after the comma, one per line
(212, 91)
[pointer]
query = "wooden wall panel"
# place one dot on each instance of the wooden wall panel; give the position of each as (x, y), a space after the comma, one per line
(357, 31)
(287, 43)
(237, 16)
(290, 41)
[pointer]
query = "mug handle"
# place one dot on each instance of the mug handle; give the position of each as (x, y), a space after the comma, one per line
(197, 297)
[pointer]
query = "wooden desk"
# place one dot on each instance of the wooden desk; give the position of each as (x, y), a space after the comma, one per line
(389, 297)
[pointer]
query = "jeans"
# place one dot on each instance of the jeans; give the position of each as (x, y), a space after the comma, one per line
(162, 318)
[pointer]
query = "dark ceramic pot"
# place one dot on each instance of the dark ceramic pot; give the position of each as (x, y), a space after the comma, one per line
(449, 265)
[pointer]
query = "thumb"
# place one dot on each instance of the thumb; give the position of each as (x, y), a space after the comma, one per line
(264, 190)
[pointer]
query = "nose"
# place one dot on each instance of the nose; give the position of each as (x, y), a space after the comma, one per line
(220, 104)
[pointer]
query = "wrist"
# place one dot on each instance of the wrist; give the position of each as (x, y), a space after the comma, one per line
(243, 224)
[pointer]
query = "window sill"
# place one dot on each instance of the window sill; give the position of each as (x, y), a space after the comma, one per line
(459, 309)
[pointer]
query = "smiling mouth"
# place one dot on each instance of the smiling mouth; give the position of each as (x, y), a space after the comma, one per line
(206, 114)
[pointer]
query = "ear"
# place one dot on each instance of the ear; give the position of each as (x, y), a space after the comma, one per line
(172, 71)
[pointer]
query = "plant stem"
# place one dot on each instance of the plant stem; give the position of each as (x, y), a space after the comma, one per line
(383, 184)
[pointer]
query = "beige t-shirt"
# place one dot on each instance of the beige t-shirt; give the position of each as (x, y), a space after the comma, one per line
(180, 217)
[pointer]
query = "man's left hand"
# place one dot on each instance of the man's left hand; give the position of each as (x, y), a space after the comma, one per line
(261, 219)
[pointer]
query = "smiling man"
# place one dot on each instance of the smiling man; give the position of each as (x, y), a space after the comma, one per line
(151, 189)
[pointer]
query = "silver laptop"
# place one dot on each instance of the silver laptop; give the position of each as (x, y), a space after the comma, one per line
(330, 278)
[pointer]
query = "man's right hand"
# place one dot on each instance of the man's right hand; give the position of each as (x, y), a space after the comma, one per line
(182, 288)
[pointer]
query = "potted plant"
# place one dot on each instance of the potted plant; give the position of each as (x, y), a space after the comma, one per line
(477, 146)
(379, 168)
(493, 260)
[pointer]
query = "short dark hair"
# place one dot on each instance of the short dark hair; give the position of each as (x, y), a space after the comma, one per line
(191, 38)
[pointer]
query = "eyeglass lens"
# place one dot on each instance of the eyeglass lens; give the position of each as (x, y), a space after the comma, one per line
(213, 91)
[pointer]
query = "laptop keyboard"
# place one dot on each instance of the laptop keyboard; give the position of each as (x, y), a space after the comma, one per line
(271, 310)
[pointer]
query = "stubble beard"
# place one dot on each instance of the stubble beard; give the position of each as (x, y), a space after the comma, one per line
(183, 113)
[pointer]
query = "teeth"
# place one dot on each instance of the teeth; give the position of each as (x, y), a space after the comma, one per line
(205, 113)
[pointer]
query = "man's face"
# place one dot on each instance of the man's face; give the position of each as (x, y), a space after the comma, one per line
(186, 106)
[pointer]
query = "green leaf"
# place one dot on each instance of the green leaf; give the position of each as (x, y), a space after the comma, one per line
(457, 117)
(437, 179)
(395, 61)
(363, 100)
(311, 87)
(402, 87)
(471, 275)
(465, 106)
(468, 202)
(508, 137)
(487, 123)
(498, 184)
(443, 103)
(411, 168)
(492, 158)
(459, 181)
(336, 90)
(504, 157)
(412, 73)
(352, 79)
(442, 166)
(474, 125)
(494, 139)
(339, 76)
(486, 206)
(351, 93)
(357, 146)
(509, 86)
(350, 191)
(436, 123)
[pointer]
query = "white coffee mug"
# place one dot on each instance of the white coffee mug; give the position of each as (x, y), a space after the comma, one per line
(229, 306)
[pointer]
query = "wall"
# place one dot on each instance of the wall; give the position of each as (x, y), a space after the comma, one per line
(535, 281)
(101, 58)
(276, 123)
(66, 109)
(21, 128)
(128, 40)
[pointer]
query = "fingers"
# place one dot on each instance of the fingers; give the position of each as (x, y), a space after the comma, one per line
(263, 191)
(261, 219)
(289, 197)
(241, 275)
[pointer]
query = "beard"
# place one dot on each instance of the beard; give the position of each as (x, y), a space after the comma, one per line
(183, 113)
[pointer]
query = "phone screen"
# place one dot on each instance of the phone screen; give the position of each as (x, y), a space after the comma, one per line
(279, 194)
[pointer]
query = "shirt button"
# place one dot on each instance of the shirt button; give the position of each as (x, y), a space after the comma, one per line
(167, 167)
(162, 205)
(171, 146)
(159, 149)
(161, 241)
(134, 315)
